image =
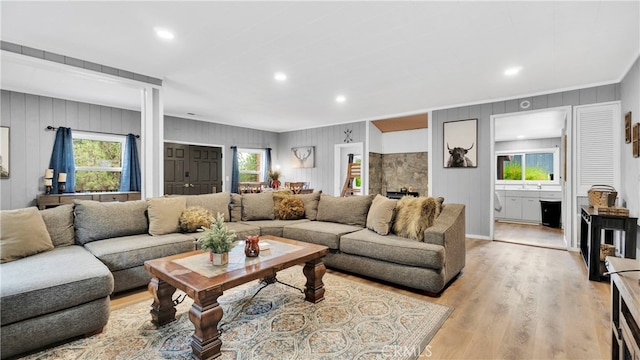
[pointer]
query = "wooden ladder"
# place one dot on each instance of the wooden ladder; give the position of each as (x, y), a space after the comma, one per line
(353, 171)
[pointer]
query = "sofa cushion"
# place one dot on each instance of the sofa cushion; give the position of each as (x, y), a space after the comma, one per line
(52, 281)
(164, 214)
(381, 214)
(351, 210)
(393, 248)
(414, 215)
(257, 206)
(131, 251)
(290, 208)
(216, 203)
(22, 233)
(319, 232)
(273, 227)
(59, 222)
(194, 218)
(102, 220)
(310, 204)
(235, 207)
(243, 229)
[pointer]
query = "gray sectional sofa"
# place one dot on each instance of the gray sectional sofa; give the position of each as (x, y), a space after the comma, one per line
(61, 289)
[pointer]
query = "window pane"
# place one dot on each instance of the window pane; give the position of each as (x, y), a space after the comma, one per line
(97, 180)
(248, 161)
(539, 166)
(97, 153)
(249, 177)
(510, 167)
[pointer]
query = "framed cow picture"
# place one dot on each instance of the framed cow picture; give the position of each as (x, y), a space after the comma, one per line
(460, 144)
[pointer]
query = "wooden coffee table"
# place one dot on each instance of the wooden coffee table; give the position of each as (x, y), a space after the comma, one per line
(204, 283)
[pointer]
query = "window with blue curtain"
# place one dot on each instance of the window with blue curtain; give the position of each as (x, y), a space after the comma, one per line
(62, 159)
(130, 179)
(235, 170)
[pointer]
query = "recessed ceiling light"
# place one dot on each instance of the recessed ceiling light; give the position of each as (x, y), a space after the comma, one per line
(513, 70)
(341, 98)
(164, 33)
(520, 136)
(190, 113)
(280, 76)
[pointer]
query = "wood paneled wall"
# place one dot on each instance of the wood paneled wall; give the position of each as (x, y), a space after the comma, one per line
(320, 177)
(27, 116)
(471, 186)
(210, 134)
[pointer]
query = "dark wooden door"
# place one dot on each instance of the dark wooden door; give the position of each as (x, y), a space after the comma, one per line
(176, 160)
(205, 169)
(192, 170)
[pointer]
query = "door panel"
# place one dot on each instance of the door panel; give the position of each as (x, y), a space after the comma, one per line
(206, 166)
(175, 160)
(192, 170)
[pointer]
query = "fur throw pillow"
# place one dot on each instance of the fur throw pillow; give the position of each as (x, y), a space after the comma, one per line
(195, 217)
(414, 216)
(291, 208)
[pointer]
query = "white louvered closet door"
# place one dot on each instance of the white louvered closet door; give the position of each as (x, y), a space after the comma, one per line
(597, 146)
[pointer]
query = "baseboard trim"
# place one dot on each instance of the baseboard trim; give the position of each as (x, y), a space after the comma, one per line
(481, 237)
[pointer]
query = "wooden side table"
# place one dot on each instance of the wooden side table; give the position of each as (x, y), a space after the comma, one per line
(46, 201)
(591, 228)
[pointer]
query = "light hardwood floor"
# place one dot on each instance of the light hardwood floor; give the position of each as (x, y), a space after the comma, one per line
(511, 302)
(529, 234)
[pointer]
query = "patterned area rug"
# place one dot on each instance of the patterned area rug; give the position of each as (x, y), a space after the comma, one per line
(355, 321)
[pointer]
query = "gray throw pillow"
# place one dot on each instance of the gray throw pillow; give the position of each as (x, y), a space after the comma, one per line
(310, 204)
(351, 210)
(216, 203)
(59, 222)
(257, 206)
(235, 207)
(102, 220)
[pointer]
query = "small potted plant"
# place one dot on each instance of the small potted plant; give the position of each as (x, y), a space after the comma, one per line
(218, 239)
(274, 176)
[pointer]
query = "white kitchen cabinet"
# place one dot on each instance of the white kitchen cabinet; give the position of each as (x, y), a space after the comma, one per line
(524, 205)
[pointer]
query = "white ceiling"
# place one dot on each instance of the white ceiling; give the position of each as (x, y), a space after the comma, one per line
(387, 58)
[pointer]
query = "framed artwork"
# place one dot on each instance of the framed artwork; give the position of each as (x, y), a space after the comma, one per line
(460, 143)
(4, 152)
(303, 157)
(636, 140)
(627, 127)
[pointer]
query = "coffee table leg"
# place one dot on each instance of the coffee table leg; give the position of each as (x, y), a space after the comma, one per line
(314, 289)
(205, 314)
(162, 310)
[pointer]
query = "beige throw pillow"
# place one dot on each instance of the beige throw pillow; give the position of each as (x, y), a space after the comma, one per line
(381, 214)
(164, 214)
(278, 196)
(22, 233)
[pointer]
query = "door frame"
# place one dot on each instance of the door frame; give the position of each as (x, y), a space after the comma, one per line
(223, 152)
(338, 165)
(567, 214)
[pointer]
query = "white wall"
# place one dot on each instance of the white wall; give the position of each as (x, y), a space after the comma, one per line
(375, 139)
(407, 141)
(630, 176)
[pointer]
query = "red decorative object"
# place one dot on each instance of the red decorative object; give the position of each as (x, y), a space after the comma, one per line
(275, 184)
(251, 247)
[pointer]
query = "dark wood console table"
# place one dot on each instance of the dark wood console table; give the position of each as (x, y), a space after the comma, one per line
(591, 228)
(45, 201)
(625, 308)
